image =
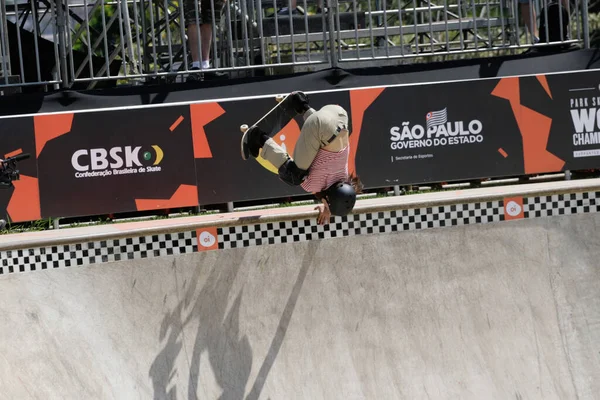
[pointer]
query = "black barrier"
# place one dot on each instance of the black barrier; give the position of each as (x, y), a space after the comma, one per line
(172, 156)
(21, 200)
(117, 161)
(224, 176)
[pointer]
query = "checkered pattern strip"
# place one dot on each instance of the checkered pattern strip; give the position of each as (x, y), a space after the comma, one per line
(361, 224)
(81, 254)
(88, 253)
(561, 204)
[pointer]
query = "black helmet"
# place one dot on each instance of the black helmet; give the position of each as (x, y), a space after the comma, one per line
(341, 198)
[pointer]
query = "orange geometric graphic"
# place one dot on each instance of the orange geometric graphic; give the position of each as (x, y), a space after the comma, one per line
(176, 123)
(286, 138)
(201, 115)
(184, 196)
(13, 153)
(544, 82)
(504, 153)
(534, 128)
(360, 100)
(24, 204)
(48, 127)
(508, 88)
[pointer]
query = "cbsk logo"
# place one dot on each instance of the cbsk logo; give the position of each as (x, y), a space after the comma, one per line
(438, 131)
(100, 160)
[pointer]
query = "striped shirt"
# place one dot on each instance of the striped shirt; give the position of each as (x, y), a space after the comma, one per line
(326, 169)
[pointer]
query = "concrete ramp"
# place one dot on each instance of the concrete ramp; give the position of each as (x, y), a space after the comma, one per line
(506, 310)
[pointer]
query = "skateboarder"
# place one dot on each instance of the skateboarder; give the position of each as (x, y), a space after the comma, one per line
(320, 160)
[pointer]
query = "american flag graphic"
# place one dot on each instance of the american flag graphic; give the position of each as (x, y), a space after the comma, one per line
(435, 118)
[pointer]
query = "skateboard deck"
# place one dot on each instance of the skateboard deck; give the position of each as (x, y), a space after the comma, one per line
(271, 123)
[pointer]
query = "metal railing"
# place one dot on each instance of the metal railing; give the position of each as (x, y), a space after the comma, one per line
(50, 44)
(29, 53)
(421, 28)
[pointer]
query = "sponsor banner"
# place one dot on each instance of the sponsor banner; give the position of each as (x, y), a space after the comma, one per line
(184, 155)
(513, 208)
(119, 161)
(584, 107)
(437, 133)
(207, 239)
(489, 128)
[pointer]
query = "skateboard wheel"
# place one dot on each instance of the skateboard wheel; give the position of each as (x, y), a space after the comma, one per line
(244, 128)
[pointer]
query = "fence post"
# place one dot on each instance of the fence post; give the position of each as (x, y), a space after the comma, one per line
(332, 6)
(586, 24)
(61, 22)
(4, 45)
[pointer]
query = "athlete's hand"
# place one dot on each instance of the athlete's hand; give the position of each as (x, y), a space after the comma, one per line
(324, 213)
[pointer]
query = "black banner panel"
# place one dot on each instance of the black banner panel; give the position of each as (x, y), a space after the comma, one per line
(19, 200)
(221, 172)
(117, 161)
(157, 157)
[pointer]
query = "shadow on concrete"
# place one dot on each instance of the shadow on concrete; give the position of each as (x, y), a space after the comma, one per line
(218, 337)
(284, 322)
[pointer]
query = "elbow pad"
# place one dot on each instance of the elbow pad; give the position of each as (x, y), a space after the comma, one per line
(291, 174)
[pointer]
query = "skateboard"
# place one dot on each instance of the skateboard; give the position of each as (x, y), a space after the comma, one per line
(271, 123)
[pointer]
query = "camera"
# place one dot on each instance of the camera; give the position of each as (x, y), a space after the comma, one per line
(9, 171)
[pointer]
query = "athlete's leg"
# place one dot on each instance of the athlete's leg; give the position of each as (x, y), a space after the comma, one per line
(319, 130)
(274, 153)
(308, 143)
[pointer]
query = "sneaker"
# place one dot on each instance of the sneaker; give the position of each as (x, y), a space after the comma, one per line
(212, 75)
(194, 76)
(286, 11)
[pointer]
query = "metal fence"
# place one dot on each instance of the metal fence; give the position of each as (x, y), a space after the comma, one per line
(417, 28)
(49, 44)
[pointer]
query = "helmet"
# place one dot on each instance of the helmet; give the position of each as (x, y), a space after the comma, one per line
(341, 198)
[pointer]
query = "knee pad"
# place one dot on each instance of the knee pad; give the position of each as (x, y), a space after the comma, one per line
(291, 174)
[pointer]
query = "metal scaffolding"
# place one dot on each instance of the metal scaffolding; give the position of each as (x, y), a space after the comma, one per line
(52, 44)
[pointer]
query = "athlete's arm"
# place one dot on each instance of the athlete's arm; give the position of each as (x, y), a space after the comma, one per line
(324, 214)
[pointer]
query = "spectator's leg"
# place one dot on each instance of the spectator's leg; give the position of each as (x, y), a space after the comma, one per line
(566, 8)
(192, 34)
(285, 9)
(529, 18)
(206, 31)
(206, 36)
